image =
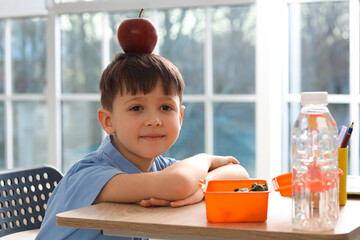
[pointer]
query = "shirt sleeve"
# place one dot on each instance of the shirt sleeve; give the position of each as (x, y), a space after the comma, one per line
(86, 181)
(163, 162)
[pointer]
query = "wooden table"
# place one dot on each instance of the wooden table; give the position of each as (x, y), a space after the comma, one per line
(190, 222)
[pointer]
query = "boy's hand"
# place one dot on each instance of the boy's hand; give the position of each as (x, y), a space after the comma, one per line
(219, 161)
(192, 199)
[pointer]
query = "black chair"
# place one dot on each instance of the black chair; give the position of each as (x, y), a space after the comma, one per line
(23, 197)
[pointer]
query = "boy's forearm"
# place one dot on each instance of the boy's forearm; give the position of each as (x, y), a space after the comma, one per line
(191, 170)
(185, 174)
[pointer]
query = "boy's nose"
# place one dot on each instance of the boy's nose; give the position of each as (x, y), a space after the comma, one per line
(153, 120)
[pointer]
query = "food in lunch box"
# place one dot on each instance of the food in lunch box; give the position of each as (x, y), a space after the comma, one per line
(254, 188)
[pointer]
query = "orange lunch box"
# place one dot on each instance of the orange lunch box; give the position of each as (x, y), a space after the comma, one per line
(282, 184)
(223, 204)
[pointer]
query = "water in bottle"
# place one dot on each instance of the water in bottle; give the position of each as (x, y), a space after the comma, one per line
(315, 182)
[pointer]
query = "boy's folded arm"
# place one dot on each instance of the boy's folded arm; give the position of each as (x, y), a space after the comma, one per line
(173, 183)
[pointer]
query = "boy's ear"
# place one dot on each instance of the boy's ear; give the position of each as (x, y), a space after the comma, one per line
(182, 108)
(104, 117)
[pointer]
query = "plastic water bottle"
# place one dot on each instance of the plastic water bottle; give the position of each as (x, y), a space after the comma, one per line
(315, 179)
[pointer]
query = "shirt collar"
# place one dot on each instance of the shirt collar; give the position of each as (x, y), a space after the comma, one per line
(107, 146)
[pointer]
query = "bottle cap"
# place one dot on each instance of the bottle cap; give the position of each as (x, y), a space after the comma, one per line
(314, 98)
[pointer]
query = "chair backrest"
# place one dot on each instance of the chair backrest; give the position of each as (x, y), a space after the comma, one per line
(23, 197)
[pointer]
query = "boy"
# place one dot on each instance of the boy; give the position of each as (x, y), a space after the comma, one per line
(142, 113)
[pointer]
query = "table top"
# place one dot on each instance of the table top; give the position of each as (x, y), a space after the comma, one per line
(190, 222)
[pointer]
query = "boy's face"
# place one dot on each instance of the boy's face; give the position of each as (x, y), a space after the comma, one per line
(144, 126)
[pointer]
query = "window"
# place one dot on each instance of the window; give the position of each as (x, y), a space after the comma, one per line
(81, 38)
(319, 54)
(244, 64)
(23, 81)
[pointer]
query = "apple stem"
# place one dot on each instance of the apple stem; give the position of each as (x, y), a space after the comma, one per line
(140, 12)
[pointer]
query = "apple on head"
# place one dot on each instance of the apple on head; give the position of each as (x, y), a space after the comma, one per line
(137, 35)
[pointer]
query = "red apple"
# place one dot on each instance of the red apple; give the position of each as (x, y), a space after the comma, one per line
(137, 35)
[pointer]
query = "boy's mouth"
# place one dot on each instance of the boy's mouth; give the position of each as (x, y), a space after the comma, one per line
(152, 136)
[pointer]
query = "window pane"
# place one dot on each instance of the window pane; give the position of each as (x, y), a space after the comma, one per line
(181, 40)
(115, 20)
(30, 133)
(2, 57)
(234, 132)
(233, 30)
(81, 52)
(28, 55)
(321, 32)
(340, 113)
(81, 131)
(2, 136)
(191, 139)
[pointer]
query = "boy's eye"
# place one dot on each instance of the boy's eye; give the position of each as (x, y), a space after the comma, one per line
(136, 108)
(165, 108)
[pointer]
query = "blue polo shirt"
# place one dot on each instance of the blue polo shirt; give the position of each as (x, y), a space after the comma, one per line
(81, 185)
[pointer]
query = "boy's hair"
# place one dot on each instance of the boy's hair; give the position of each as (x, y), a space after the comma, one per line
(138, 73)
